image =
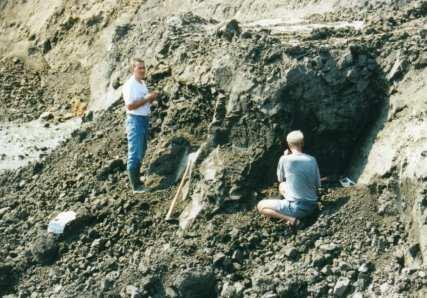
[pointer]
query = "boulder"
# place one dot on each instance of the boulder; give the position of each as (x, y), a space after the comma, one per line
(196, 283)
(45, 249)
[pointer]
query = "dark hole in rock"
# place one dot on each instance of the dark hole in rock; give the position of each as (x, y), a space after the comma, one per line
(8, 276)
(334, 114)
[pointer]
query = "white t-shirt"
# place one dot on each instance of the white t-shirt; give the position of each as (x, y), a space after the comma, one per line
(134, 90)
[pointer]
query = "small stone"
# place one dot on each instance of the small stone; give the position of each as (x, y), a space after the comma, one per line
(364, 268)
(46, 46)
(116, 83)
(106, 284)
(326, 270)
(245, 35)
(320, 260)
(3, 211)
(269, 295)
(113, 166)
(171, 293)
(361, 284)
(239, 288)
(218, 258)
(227, 291)
(45, 249)
(382, 209)
(133, 291)
(331, 247)
(341, 286)
(421, 61)
(46, 116)
(37, 167)
(384, 288)
(237, 255)
(96, 243)
(230, 29)
(87, 117)
(291, 253)
(196, 283)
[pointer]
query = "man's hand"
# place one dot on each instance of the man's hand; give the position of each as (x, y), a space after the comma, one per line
(152, 96)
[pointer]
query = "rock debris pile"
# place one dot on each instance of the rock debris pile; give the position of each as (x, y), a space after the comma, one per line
(232, 91)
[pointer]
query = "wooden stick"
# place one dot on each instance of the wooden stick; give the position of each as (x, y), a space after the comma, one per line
(189, 181)
(169, 214)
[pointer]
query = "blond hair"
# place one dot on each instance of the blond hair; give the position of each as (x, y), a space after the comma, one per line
(295, 138)
(134, 61)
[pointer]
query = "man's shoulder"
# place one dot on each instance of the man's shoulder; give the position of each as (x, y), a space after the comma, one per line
(298, 157)
(309, 157)
(133, 83)
(129, 82)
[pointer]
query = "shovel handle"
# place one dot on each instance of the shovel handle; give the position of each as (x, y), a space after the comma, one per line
(168, 215)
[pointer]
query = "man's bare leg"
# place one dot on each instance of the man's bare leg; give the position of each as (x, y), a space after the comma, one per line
(269, 212)
(282, 189)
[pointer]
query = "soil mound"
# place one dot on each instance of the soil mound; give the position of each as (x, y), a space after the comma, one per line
(349, 76)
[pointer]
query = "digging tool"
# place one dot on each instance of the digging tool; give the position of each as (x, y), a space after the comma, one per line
(168, 215)
(188, 169)
(187, 186)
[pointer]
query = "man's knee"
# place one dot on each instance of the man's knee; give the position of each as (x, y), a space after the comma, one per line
(260, 205)
(282, 188)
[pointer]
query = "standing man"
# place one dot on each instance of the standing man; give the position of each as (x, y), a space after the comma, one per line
(137, 101)
(298, 175)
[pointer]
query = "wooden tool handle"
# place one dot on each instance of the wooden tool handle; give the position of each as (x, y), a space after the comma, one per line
(168, 215)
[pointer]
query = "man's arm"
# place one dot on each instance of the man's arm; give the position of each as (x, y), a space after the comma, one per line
(318, 179)
(149, 98)
(280, 170)
(281, 166)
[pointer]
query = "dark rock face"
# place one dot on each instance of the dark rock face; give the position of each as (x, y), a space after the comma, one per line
(240, 116)
(169, 166)
(333, 100)
(6, 275)
(20, 90)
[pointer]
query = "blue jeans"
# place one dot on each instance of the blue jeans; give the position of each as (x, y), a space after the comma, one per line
(137, 134)
(296, 209)
(290, 208)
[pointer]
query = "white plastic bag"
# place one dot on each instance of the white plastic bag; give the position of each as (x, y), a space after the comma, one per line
(346, 182)
(57, 225)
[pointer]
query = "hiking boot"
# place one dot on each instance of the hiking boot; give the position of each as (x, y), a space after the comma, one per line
(140, 189)
(135, 183)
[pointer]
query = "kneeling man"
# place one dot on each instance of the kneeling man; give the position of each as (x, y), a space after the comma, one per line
(298, 175)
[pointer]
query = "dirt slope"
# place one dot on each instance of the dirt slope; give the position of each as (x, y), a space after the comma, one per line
(233, 89)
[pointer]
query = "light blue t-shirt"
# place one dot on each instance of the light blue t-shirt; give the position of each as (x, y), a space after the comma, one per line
(301, 174)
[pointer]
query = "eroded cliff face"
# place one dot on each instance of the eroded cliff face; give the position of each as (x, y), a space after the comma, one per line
(351, 77)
